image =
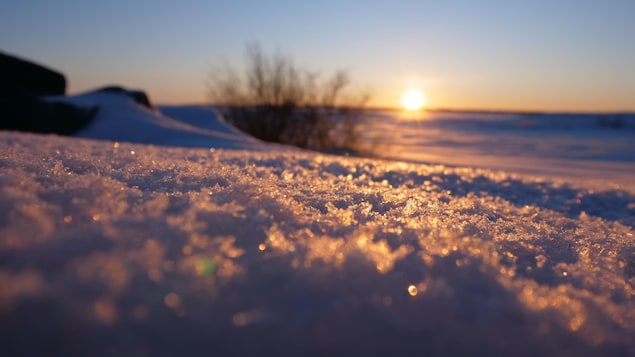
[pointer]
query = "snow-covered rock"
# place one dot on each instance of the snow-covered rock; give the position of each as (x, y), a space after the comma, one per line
(121, 118)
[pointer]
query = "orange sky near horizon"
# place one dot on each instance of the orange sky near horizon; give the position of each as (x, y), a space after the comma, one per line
(565, 55)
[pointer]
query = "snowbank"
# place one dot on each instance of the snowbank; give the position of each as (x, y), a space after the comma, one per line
(121, 119)
(113, 248)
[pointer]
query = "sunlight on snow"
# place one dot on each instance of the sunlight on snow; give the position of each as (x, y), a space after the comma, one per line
(235, 241)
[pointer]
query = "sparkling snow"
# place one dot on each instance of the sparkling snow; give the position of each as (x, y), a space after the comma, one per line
(116, 248)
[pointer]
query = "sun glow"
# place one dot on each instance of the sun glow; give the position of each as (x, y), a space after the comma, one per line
(413, 99)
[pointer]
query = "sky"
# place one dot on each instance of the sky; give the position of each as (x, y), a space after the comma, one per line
(546, 55)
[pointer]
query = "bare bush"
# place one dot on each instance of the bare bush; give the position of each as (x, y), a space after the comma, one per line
(275, 101)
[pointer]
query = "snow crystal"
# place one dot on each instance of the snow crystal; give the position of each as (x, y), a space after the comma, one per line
(228, 252)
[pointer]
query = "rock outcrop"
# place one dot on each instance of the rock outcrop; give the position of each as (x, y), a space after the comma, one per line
(140, 97)
(23, 107)
(25, 78)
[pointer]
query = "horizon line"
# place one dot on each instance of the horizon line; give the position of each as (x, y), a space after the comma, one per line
(480, 110)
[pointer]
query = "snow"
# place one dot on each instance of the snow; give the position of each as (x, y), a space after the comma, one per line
(121, 119)
(591, 146)
(136, 245)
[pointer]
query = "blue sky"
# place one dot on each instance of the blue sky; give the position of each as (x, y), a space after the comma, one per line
(529, 55)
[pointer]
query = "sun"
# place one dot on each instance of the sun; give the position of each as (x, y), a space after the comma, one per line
(413, 99)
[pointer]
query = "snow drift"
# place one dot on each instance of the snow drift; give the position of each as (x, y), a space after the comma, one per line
(120, 118)
(115, 248)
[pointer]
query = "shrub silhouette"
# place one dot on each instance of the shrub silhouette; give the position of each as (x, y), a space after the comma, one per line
(275, 101)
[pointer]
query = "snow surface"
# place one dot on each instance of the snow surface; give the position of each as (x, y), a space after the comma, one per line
(117, 248)
(590, 146)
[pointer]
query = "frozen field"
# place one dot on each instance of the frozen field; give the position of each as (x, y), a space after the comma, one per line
(122, 246)
(577, 146)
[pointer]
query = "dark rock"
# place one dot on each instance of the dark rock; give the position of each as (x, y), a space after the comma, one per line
(24, 78)
(138, 96)
(62, 118)
(21, 106)
(26, 113)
